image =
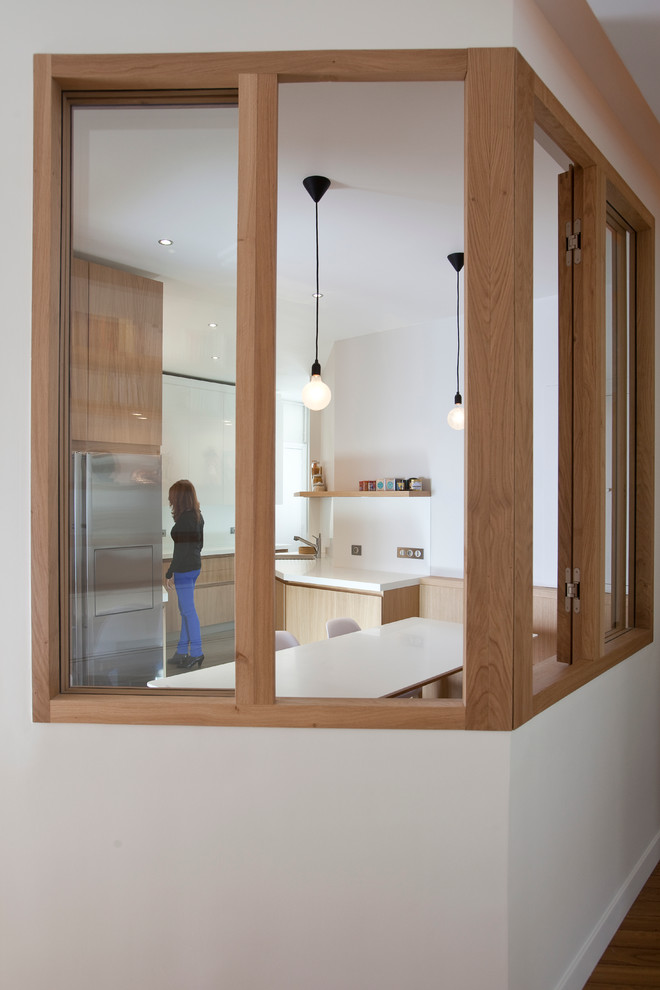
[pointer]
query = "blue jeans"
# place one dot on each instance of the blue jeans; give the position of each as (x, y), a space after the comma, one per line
(191, 633)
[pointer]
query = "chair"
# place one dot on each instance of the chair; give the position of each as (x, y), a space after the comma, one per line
(338, 627)
(284, 639)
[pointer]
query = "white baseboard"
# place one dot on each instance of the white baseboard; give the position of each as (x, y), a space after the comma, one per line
(586, 960)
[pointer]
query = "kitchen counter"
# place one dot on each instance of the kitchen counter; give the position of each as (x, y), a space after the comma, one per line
(207, 551)
(322, 573)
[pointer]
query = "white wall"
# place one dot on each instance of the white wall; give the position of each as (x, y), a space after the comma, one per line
(167, 857)
(392, 392)
(291, 471)
(585, 798)
(203, 858)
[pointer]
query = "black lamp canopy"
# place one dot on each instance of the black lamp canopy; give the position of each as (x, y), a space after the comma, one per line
(456, 260)
(317, 186)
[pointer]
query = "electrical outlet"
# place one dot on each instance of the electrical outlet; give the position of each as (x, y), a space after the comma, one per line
(232, 530)
(356, 549)
(415, 553)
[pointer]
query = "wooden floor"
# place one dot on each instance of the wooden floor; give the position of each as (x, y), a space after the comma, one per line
(632, 959)
(217, 643)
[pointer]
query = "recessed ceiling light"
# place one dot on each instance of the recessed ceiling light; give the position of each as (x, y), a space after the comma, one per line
(165, 241)
(215, 357)
(213, 324)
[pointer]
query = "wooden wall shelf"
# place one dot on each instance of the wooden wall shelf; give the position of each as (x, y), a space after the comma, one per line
(358, 494)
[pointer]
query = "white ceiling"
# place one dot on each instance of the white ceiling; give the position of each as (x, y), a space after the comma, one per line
(394, 211)
(633, 27)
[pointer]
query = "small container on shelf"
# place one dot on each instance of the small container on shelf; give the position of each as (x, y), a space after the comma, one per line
(390, 485)
(364, 486)
(318, 484)
(414, 484)
(372, 486)
(401, 485)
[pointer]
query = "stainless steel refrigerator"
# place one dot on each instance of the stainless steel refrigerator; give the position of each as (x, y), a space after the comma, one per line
(116, 568)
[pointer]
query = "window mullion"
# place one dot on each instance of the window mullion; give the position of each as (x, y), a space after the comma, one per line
(255, 390)
(589, 416)
(566, 217)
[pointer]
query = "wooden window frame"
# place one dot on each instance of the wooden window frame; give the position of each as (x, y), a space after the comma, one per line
(503, 98)
(622, 592)
(589, 648)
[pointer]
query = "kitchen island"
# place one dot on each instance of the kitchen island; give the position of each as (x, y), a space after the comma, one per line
(309, 592)
(396, 659)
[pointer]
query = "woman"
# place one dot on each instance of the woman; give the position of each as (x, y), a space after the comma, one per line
(188, 535)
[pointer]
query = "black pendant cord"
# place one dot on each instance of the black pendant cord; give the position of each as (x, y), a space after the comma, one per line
(317, 283)
(317, 186)
(458, 336)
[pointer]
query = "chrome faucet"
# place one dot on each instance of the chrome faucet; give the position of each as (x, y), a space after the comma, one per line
(316, 545)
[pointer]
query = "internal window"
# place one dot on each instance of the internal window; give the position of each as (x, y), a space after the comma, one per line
(97, 390)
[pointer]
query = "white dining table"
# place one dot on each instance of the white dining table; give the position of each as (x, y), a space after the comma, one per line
(386, 661)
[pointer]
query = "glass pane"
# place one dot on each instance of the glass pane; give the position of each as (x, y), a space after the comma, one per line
(549, 163)
(618, 444)
(152, 390)
(387, 347)
(610, 430)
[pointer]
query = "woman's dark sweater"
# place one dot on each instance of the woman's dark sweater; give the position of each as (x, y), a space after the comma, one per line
(188, 535)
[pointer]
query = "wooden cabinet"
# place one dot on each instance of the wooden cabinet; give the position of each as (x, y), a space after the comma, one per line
(214, 593)
(115, 357)
(305, 609)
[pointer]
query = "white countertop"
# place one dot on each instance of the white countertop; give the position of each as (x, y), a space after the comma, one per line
(303, 569)
(372, 663)
(323, 573)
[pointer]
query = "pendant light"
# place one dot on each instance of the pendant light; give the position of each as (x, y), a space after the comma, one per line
(316, 394)
(456, 417)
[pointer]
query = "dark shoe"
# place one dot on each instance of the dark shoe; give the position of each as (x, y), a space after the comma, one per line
(193, 662)
(179, 658)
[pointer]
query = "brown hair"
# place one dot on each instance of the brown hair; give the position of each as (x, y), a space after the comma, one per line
(183, 497)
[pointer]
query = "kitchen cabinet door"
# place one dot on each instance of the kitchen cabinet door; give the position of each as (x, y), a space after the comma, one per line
(229, 447)
(116, 357)
(199, 437)
(206, 442)
(176, 433)
(307, 608)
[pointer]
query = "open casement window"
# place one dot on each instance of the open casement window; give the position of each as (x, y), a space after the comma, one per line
(605, 259)
(620, 299)
(503, 101)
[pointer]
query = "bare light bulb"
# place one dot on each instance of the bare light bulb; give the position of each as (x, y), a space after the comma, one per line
(456, 415)
(316, 395)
